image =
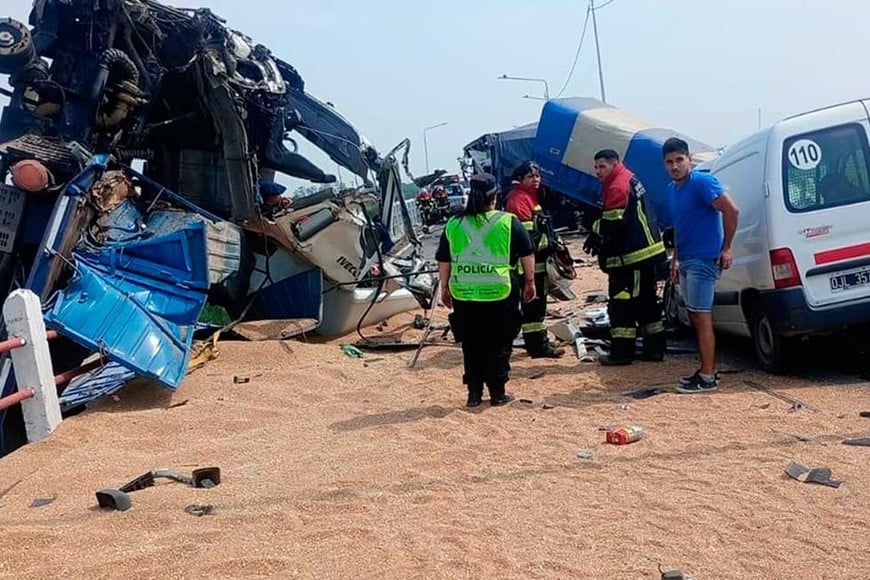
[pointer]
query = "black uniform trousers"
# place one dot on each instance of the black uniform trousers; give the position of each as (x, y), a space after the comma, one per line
(633, 305)
(534, 330)
(486, 331)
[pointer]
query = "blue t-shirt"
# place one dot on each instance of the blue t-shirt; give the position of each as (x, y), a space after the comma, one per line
(698, 230)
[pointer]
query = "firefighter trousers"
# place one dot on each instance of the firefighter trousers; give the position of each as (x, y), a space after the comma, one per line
(633, 307)
(486, 331)
(534, 312)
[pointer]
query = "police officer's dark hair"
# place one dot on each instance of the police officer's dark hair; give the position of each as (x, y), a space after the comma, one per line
(483, 190)
(675, 145)
(608, 154)
(523, 169)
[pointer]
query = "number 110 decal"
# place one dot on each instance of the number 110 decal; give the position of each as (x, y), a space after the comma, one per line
(805, 154)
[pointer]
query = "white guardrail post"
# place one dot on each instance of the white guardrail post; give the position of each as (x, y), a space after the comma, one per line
(31, 364)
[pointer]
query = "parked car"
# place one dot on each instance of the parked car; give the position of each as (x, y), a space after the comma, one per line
(802, 248)
(457, 197)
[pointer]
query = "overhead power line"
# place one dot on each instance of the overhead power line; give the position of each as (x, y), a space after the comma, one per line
(577, 54)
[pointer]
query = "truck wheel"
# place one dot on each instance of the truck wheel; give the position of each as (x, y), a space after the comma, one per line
(772, 348)
(16, 47)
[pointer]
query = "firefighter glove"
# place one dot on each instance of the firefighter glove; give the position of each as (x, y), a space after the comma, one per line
(592, 245)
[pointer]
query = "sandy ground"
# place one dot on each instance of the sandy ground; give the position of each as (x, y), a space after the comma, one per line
(361, 468)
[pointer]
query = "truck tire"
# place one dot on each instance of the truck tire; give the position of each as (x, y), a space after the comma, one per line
(772, 349)
(16, 46)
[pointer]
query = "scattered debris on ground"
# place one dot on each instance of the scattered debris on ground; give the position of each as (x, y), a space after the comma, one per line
(818, 475)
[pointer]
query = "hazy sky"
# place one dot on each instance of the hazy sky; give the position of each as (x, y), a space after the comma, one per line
(703, 67)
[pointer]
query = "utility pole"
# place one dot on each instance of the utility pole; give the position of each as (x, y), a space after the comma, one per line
(597, 50)
(426, 143)
(759, 118)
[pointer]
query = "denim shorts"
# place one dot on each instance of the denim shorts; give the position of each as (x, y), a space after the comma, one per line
(698, 283)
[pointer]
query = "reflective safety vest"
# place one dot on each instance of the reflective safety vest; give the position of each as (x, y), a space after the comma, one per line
(480, 246)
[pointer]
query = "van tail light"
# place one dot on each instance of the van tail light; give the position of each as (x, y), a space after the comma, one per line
(785, 270)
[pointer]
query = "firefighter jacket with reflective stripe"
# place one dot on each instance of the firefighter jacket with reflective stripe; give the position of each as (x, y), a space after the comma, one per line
(524, 204)
(480, 246)
(628, 238)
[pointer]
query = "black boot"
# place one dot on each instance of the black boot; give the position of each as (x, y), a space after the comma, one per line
(549, 351)
(654, 347)
(533, 342)
(612, 361)
(497, 396)
(475, 395)
(621, 353)
(538, 346)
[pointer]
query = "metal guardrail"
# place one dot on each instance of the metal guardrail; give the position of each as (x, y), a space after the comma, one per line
(397, 228)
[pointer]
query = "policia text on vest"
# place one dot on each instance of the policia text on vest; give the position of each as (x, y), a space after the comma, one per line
(480, 257)
(477, 261)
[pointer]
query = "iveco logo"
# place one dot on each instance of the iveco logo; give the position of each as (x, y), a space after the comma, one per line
(348, 265)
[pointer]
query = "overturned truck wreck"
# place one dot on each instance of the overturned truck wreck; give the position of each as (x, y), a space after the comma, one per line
(138, 154)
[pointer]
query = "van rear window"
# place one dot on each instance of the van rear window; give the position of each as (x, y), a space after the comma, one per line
(826, 168)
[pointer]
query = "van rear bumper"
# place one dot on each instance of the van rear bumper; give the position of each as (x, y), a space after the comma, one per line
(789, 313)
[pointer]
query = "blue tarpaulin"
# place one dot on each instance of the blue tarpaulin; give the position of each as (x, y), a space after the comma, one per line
(571, 131)
(499, 153)
(89, 387)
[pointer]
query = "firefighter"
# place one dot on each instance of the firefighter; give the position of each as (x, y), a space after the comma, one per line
(523, 201)
(477, 264)
(629, 250)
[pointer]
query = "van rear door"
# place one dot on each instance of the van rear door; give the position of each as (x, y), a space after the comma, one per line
(822, 238)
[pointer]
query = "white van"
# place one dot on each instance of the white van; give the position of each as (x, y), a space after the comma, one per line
(802, 248)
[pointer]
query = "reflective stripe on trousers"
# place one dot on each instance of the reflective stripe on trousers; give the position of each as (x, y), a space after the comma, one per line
(530, 327)
(654, 328)
(622, 332)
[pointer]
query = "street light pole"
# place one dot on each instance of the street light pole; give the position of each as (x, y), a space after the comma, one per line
(546, 86)
(597, 50)
(426, 143)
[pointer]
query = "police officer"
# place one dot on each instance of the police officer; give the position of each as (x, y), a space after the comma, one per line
(629, 250)
(477, 263)
(523, 201)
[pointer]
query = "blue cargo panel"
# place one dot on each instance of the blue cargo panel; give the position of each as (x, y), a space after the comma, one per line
(299, 296)
(179, 256)
(142, 324)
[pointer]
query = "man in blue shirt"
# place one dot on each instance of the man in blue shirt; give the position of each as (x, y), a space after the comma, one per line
(705, 220)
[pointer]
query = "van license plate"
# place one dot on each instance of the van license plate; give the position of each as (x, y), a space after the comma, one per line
(842, 282)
